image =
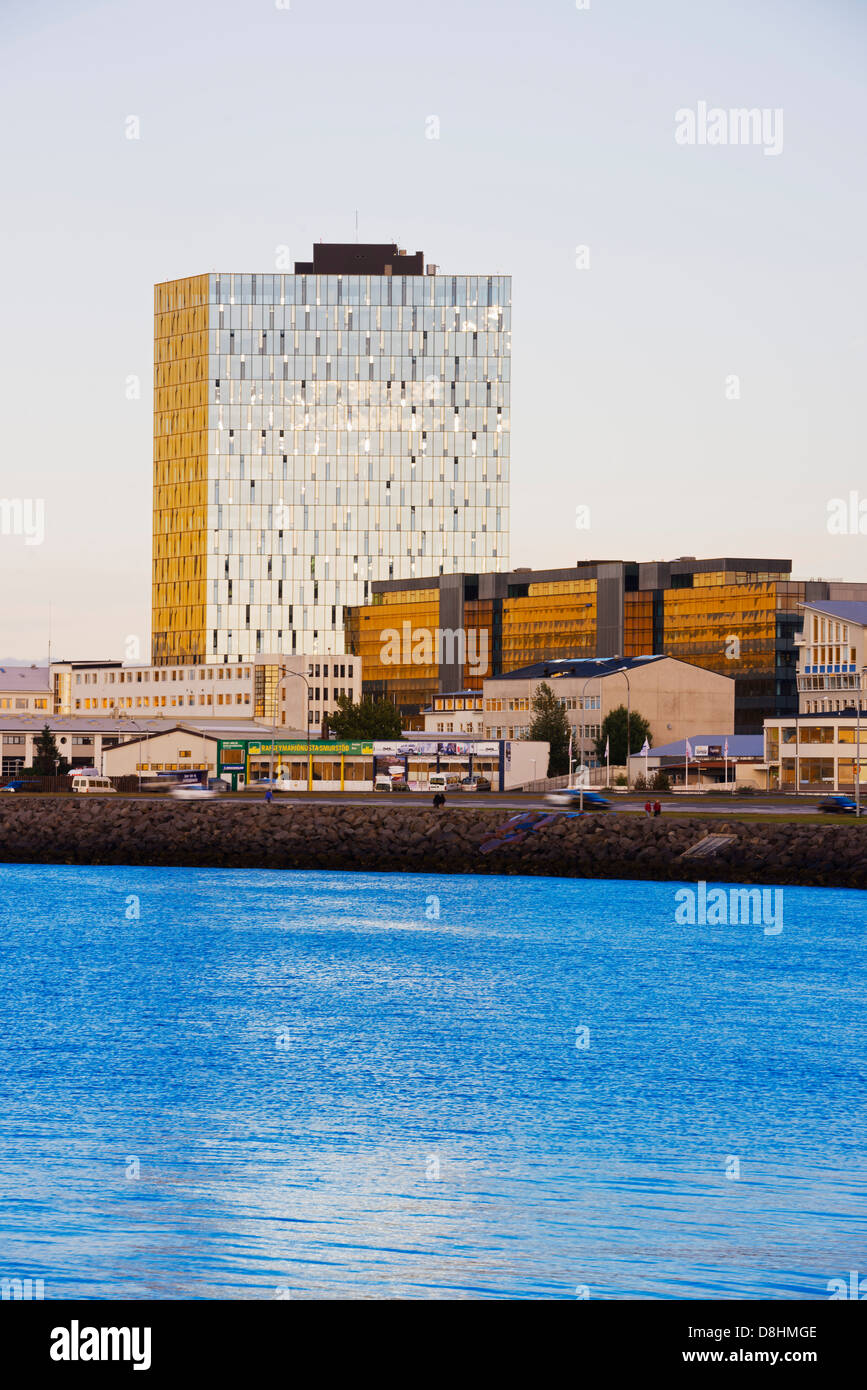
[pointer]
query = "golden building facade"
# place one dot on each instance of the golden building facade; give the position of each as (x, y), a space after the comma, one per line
(180, 497)
(738, 618)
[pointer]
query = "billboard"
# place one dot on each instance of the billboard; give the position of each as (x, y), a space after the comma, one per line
(430, 748)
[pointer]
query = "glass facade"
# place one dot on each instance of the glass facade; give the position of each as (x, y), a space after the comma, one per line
(555, 619)
(314, 433)
(408, 682)
(736, 621)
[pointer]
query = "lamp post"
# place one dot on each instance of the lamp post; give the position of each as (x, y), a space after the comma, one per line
(581, 754)
(858, 747)
(622, 672)
(285, 676)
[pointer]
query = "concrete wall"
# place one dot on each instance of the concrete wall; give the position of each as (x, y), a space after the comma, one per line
(678, 699)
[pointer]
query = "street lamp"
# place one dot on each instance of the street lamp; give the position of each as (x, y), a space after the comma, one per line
(191, 701)
(285, 676)
(621, 671)
(858, 747)
(581, 753)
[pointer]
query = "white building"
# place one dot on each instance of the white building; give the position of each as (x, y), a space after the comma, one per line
(262, 688)
(459, 712)
(24, 689)
(817, 752)
(832, 656)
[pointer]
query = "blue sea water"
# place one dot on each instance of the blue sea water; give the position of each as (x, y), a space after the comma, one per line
(255, 1084)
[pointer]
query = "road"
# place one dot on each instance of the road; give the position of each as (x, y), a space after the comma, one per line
(517, 801)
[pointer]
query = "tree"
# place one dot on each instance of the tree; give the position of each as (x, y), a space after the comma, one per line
(550, 725)
(614, 728)
(47, 761)
(368, 719)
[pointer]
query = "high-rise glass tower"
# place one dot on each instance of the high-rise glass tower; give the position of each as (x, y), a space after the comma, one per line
(314, 432)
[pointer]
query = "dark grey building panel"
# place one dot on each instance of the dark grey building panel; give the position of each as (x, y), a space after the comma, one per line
(609, 610)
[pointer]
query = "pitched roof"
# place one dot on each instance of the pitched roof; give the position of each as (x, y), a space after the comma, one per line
(740, 745)
(580, 666)
(33, 679)
(850, 610)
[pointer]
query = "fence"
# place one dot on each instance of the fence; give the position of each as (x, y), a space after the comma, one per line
(594, 777)
(55, 785)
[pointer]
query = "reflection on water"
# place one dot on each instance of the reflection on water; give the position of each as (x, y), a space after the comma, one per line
(246, 1084)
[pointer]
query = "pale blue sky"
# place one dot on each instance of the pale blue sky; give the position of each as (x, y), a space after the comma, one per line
(263, 127)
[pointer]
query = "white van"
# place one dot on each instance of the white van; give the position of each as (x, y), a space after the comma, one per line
(384, 783)
(92, 784)
(444, 781)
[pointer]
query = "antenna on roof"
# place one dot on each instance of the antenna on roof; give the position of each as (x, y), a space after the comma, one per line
(356, 226)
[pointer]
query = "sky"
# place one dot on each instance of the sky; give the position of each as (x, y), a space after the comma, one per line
(688, 318)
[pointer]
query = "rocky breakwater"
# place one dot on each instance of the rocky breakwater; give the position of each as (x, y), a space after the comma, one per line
(417, 839)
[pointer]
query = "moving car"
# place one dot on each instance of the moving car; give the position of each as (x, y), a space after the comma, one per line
(839, 805)
(193, 791)
(571, 796)
(13, 787)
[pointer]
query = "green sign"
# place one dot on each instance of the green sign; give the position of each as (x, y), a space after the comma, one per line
(318, 746)
(233, 752)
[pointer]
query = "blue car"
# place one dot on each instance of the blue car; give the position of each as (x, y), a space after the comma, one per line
(571, 796)
(839, 805)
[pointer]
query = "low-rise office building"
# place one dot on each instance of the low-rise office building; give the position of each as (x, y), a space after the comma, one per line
(265, 687)
(457, 712)
(709, 760)
(81, 742)
(832, 656)
(675, 697)
(354, 765)
(817, 751)
(24, 690)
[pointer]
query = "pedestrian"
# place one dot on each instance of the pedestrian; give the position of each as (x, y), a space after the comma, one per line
(657, 809)
(647, 808)
(269, 795)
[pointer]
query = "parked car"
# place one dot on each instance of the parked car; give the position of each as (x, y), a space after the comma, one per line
(475, 784)
(571, 796)
(444, 781)
(101, 785)
(839, 805)
(384, 783)
(216, 784)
